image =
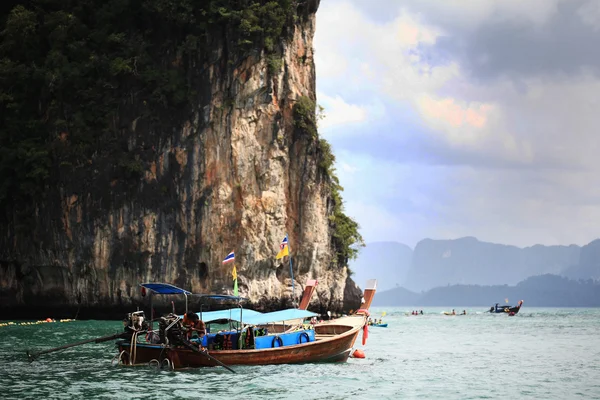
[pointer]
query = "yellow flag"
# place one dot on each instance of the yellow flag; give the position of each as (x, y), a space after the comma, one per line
(234, 273)
(283, 252)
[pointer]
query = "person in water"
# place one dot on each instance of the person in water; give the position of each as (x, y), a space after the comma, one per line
(453, 312)
(464, 312)
(421, 312)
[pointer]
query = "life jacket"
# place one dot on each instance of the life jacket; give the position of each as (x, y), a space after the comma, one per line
(227, 344)
(249, 339)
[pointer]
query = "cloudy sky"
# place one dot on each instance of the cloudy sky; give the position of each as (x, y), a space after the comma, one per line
(464, 118)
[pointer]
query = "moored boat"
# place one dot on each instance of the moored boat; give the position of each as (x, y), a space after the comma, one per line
(249, 341)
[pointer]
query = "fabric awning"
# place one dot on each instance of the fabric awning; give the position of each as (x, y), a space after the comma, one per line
(279, 316)
(164, 288)
(234, 314)
(251, 317)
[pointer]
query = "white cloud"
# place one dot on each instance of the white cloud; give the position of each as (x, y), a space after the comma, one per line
(513, 159)
(337, 112)
(348, 168)
(470, 14)
(590, 14)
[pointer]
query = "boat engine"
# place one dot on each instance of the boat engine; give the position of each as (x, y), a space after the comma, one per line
(135, 322)
(170, 330)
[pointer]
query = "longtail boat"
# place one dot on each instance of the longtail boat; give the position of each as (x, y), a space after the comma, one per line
(252, 339)
(496, 309)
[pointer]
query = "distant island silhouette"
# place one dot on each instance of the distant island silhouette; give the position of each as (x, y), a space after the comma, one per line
(469, 261)
(538, 291)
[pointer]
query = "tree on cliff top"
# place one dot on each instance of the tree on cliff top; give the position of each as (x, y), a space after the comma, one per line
(70, 70)
(74, 72)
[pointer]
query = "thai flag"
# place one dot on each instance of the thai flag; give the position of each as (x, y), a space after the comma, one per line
(230, 257)
(284, 243)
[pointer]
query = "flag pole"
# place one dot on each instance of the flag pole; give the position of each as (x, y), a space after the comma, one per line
(292, 273)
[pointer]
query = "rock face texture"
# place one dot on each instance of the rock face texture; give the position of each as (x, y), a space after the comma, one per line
(235, 174)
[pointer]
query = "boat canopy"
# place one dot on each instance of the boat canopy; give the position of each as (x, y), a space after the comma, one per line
(220, 297)
(251, 317)
(279, 316)
(164, 288)
(234, 314)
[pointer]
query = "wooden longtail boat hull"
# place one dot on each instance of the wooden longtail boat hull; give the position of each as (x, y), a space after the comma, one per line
(329, 349)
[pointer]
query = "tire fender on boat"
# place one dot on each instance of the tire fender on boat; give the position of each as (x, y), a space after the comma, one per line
(278, 340)
(303, 334)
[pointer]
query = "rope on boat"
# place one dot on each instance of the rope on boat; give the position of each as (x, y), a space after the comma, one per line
(133, 347)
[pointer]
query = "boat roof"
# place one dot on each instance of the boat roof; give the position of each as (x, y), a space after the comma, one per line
(234, 314)
(220, 297)
(167, 288)
(164, 288)
(279, 316)
(251, 317)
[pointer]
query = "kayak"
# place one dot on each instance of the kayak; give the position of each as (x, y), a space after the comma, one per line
(380, 325)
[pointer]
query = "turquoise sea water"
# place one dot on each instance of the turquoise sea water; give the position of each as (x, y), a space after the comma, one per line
(543, 353)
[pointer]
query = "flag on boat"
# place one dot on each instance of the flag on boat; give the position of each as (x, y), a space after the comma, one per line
(235, 285)
(283, 248)
(230, 257)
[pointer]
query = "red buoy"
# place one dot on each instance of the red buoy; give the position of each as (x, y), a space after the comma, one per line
(358, 353)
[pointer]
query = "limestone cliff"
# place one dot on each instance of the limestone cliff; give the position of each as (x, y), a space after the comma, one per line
(230, 170)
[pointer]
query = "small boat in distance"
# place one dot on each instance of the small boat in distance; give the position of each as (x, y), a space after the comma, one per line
(507, 309)
(453, 312)
(377, 322)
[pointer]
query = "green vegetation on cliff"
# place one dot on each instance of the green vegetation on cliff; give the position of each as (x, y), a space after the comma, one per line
(78, 76)
(346, 237)
(74, 72)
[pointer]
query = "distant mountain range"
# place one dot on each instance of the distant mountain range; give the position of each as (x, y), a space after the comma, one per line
(539, 291)
(468, 261)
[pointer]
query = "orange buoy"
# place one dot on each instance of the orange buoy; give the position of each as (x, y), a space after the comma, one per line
(48, 319)
(365, 335)
(358, 353)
